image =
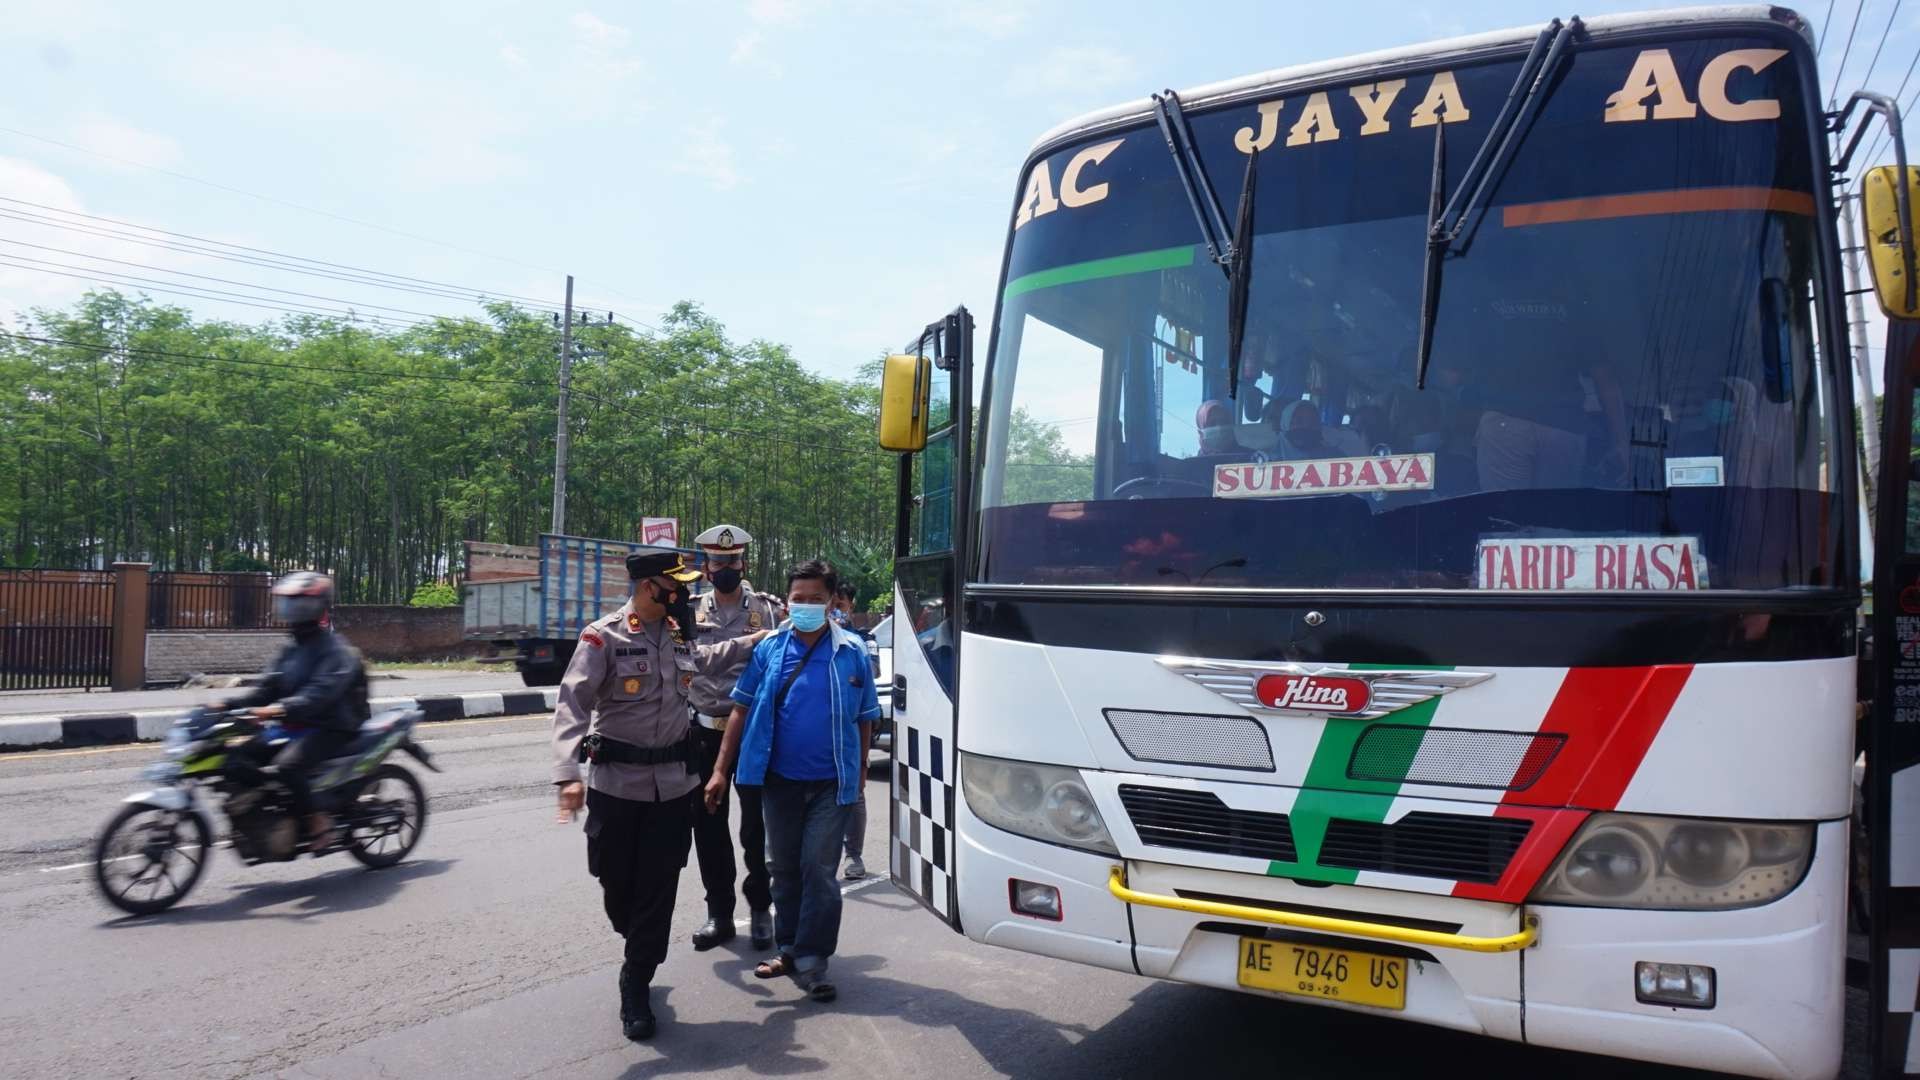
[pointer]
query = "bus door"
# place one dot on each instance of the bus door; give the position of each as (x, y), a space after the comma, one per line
(925, 402)
(1892, 734)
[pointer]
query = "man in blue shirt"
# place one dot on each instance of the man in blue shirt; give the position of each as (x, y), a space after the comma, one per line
(802, 720)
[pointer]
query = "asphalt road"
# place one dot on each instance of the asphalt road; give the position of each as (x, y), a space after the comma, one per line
(486, 955)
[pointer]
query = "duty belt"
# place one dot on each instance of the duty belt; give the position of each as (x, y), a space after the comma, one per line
(712, 721)
(597, 749)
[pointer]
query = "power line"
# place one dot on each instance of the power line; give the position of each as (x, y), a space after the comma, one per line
(296, 206)
(405, 280)
(109, 277)
(208, 277)
(349, 274)
(1848, 51)
(1820, 42)
(1875, 62)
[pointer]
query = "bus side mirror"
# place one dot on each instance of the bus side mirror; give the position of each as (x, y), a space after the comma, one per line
(1889, 239)
(904, 385)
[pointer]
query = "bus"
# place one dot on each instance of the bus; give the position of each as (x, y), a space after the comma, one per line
(1400, 552)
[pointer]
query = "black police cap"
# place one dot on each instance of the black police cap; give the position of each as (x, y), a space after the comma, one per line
(647, 564)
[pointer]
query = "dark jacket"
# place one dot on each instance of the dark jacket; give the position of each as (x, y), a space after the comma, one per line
(319, 680)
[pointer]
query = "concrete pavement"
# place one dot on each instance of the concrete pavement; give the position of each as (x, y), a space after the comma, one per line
(97, 719)
(486, 954)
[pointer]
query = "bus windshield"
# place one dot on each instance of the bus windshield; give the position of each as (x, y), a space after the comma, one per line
(1623, 391)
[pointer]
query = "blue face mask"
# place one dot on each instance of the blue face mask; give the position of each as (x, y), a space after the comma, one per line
(807, 618)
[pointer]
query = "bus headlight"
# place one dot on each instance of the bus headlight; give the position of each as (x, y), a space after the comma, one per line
(1636, 861)
(1044, 802)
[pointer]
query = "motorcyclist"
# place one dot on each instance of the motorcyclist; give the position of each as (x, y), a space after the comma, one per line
(316, 690)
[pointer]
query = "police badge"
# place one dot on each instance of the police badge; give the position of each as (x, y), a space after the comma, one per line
(632, 686)
(633, 622)
(753, 620)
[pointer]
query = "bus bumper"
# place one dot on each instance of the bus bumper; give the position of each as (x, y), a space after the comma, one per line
(1779, 967)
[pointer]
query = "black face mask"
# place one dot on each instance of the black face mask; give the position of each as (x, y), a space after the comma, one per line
(726, 580)
(678, 604)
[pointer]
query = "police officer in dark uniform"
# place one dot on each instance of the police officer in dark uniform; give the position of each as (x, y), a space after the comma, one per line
(731, 609)
(623, 712)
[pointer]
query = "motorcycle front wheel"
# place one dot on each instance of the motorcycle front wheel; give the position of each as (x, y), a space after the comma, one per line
(388, 812)
(149, 857)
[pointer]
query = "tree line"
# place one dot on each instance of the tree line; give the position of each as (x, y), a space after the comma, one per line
(129, 430)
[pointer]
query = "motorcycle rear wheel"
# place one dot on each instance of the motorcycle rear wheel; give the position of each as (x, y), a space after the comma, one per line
(386, 843)
(142, 847)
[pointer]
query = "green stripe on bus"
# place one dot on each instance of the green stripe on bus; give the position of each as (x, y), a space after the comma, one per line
(1118, 266)
(1329, 793)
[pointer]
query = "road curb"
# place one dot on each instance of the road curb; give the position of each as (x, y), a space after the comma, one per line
(112, 729)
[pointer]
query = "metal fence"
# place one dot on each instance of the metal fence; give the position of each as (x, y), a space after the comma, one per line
(56, 629)
(184, 600)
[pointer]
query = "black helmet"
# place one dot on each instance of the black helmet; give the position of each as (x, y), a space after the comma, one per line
(302, 597)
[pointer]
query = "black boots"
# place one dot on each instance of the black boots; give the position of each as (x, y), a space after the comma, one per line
(636, 1012)
(760, 927)
(717, 931)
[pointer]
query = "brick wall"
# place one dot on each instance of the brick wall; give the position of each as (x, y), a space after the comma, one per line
(397, 632)
(173, 655)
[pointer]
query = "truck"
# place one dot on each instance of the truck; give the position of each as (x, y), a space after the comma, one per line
(531, 602)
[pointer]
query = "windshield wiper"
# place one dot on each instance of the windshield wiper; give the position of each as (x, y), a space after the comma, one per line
(1445, 224)
(1231, 250)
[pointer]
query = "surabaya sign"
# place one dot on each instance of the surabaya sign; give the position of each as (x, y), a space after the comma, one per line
(1597, 564)
(1328, 476)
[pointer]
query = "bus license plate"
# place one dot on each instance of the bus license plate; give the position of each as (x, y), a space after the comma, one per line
(1316, 972)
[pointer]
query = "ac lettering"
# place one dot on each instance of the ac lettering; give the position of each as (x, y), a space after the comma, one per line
(1039, 199)
(1654, 76)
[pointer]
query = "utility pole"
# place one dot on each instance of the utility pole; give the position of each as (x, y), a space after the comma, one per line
(1862, 365)
(560, 432)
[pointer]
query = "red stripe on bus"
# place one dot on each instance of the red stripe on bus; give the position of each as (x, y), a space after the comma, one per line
(1610, 717)
(1551, 831)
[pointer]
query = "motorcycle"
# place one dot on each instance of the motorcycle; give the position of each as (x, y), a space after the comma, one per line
(153, 851)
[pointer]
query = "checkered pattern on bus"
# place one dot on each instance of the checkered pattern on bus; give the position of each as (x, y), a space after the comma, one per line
(922, 857)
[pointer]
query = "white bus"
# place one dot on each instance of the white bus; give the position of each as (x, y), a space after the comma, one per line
(1404, 554)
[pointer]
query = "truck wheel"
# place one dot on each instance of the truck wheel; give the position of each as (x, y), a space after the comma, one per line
(542, 674)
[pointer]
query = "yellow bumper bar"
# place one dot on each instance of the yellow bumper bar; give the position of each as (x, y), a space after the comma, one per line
(1117, 885)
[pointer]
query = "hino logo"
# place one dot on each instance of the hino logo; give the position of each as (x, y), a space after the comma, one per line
(1296, 689)
(1313, 693)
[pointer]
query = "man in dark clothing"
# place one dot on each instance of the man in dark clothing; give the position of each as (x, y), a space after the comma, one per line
(317, 690)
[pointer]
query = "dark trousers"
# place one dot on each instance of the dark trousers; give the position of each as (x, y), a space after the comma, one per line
(715, 848)
(296, 760)
(805, 827)
(637, 850)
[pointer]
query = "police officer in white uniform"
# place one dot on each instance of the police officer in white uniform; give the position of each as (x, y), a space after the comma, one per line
(732, 609)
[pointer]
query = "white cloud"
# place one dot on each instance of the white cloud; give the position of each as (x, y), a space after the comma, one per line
(780, 12)
(745, 48)
(707, 155)
(994, 18)
(104, 134)
(436, 131)
(594, 30)
(512, 56)
(1072, 69)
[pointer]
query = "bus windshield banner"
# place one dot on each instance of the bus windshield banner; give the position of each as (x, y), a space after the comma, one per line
(1592, 564)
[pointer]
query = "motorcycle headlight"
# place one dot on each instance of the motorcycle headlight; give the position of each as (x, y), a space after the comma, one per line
(1637, 861)
(176, 740)
(162, 772)
(1044, 802)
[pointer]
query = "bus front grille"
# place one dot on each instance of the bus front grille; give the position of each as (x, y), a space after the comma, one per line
(1453, 847)
(1199, 821)
(1458, 847)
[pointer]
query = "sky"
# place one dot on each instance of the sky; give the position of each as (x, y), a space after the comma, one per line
(829, 175)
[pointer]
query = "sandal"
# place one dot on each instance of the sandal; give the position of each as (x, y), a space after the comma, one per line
(777, 968)
(822, 991)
